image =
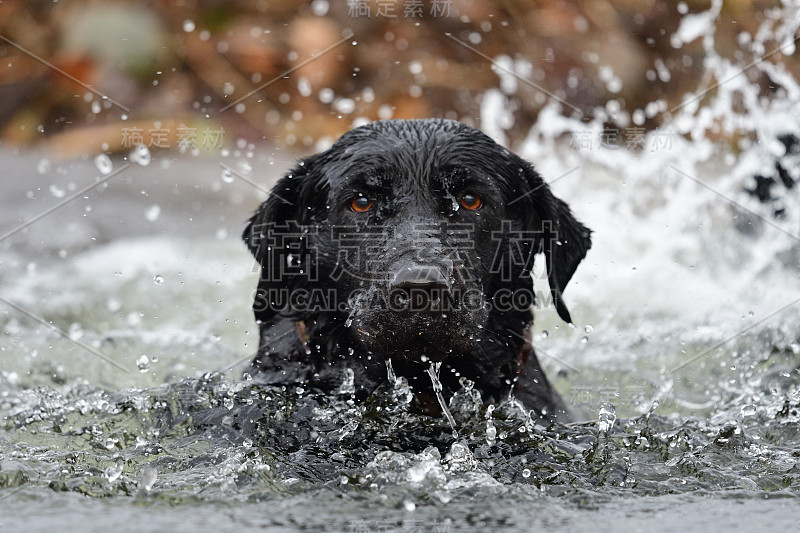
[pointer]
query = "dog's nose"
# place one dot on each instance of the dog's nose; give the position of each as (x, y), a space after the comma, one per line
(420, 277)
(418, 288)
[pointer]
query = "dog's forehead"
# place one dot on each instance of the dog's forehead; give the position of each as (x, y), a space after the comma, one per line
(399, 152)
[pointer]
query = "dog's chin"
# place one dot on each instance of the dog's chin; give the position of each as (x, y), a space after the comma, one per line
(418, 337)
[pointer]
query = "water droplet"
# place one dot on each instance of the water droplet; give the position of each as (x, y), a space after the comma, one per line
(345, 105)
(606, 417)
(56, 191)
(227, 176)
(148, 478)
(141, 155)
(113, 305)
(188, 26)
(326, 95)
(75, 331)
(409, 505)
(152, 213)
(748, 410)
(159, 279)
(303, 86)
(526, 473)
(453, 201)
(491, 432)
(143, 364)
(113, 473)
(96, 107)
(43, 166)
(588, 328)
(348, 386)
(320, 7)
(103, 164)
(244, 167)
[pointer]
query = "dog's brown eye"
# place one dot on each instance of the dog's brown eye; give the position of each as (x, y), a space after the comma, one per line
(471, 202)
(360, 204)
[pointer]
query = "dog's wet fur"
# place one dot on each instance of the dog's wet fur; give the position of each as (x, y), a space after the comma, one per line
(410, 241)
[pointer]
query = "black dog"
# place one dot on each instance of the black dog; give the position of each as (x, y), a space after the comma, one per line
(410, 243)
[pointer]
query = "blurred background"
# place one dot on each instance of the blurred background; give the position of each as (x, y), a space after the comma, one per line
(83, 77)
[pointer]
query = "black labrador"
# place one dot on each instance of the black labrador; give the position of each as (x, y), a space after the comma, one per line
(410, 243)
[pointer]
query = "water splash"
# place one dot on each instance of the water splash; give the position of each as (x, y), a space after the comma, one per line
(114, 472)
(348, 386)
(433, 372)
(390, 375)
(460, 458)
(607, 416)
(466, 402)
(148, 478)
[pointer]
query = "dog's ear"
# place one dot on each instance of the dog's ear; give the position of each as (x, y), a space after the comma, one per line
(563, 240)
(274, 237)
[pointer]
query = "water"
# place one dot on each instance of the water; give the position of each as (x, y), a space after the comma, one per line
(683, 370)
(433, 372)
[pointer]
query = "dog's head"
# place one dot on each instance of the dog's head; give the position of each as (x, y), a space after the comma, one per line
(411, 235)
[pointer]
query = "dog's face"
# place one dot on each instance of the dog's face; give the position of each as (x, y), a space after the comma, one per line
(414, 236)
